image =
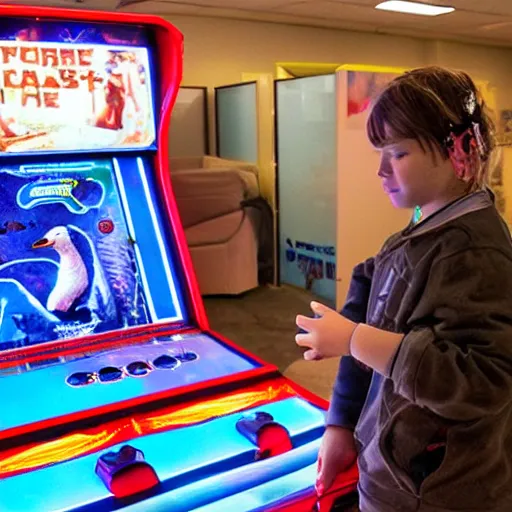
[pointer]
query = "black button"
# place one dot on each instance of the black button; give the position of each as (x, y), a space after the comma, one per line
(138, 369)
(80, 379)
(110, 374)
(187, 357)
(165, 362)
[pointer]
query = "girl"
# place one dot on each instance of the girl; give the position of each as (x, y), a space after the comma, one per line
(424, 396)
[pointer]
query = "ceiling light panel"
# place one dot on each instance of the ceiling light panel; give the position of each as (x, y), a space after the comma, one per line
(413, 8)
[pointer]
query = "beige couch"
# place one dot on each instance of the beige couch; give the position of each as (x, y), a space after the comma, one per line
(222, 234)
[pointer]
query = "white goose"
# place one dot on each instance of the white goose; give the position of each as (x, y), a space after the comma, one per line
(72, 278)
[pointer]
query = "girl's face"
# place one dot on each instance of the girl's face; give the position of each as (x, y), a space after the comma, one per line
(413, 176)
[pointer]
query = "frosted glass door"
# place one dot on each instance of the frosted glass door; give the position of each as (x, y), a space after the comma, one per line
(236, 117)
(306, 178)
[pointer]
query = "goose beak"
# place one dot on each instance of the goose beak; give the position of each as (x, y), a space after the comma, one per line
(44, 242)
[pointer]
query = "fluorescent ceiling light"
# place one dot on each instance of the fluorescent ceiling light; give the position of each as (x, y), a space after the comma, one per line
(414, 8)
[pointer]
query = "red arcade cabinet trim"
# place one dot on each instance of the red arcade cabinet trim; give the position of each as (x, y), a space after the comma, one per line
(90, 343)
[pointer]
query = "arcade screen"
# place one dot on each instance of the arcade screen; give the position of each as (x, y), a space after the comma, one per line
(73, 87)
(67, 267)
(70, 261)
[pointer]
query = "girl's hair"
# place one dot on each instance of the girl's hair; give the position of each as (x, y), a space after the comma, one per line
(428, 104)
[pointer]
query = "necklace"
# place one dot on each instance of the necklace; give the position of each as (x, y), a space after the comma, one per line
(418, 215)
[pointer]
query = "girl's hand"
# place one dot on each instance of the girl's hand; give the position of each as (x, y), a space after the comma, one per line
(337, 454)
(328, 335)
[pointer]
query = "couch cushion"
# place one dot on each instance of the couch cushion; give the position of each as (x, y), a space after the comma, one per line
(230, 267)
(215, 231)
(249, 173)
(201, 195)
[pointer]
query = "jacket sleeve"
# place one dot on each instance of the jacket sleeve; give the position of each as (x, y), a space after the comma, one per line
(457, 358)
(353, 379)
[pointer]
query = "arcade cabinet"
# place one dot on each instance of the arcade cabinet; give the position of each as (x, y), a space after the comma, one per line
(115, 392)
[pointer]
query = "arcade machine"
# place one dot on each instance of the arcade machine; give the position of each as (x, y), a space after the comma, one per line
(115, 392)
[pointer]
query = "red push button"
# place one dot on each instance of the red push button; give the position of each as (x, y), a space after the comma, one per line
(125, 472)
(270, 437)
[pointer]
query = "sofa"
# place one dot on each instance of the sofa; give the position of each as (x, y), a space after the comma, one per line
(223, 230)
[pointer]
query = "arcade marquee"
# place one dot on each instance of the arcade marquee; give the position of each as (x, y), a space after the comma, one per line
(116, 393)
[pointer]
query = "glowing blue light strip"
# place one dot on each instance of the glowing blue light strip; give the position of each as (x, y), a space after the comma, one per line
(131, 232)
(160, 240)
(86, 166)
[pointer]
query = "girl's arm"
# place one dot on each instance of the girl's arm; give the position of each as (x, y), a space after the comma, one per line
(353, 379)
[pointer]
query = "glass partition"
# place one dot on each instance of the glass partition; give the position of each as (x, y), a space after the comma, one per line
(307, 181)
(237, 122)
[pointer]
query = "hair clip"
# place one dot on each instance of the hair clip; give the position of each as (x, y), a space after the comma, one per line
(465, 142)
(479, 141)
(470, 104)
(465, 136)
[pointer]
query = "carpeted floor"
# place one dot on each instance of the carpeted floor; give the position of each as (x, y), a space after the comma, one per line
(263, 322)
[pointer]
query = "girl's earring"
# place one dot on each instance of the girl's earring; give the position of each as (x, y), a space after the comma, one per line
(461, 150)
(417, 216)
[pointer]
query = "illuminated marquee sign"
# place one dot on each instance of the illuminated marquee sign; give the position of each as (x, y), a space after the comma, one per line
(56, 96)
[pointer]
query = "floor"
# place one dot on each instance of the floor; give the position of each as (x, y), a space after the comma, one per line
(263, 322)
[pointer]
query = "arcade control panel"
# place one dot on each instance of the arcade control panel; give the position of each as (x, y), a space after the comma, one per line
(110, 377)
(250, 444)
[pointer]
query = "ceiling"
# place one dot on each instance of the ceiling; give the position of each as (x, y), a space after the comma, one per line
(479, 21)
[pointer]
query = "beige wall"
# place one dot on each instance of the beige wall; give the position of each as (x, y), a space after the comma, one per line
(217, 51)
(220, 51)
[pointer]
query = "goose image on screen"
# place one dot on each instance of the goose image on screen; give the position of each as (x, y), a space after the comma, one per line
(45, 299)
(72, 278)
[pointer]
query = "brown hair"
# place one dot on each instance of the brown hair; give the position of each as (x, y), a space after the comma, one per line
(426, 104)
